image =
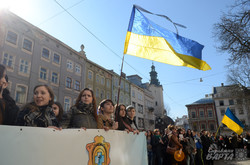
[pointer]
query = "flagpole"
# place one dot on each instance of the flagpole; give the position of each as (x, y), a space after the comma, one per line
(119, 86)
(218, 129)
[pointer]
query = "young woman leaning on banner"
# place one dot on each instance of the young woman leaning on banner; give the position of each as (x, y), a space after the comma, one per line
(84, 113)
(121, 118)
(8, 107)
(106, 110)
(39, 113)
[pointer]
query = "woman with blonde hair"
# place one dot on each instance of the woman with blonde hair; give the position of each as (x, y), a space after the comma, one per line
(39, 112)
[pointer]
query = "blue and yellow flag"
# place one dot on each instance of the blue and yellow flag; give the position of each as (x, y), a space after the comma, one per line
(148, 40)
(232, 122)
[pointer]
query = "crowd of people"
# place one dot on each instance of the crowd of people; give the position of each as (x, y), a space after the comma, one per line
(196, 146)
(42, 111)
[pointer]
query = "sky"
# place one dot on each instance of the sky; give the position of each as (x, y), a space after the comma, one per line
(101, 26)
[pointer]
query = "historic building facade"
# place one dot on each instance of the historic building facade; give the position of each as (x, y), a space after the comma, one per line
(99, 80)
(202, 115)
(34, 57)
(236, 98)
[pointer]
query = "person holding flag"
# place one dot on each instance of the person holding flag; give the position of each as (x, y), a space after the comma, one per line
(232, 122)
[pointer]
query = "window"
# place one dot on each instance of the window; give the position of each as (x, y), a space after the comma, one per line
(24, 66)
(55, 98)
(27, 45)
(203, 126)
(90, 75)
(221, 103)
(239, 101)
(232, 110)
(8, 60)
(193, 115)
(45, 53)
(97, 78)
(77, 85)
(43, 73)
(126, 87)
(140, 108)
(122, 84)
(102, 80)
(141, 122)
(212, 127)
(11, 37)
(54, 78)
(116, 82)
(231, 102)
(108, 95)
(222, 112)
(68, 82)
(121, 98)
(156, 103)
(241, 111)
(116, 97)
(78, 69)
(67, 103)
(134, 105)
(195, 127)
(69, 65)
(102, 94)
(56, 58)
(139, 96)
(210, 113)
(133, 93)
(97, 92)
(21, 94)
(201, 113)
(108, 83)
(243, 122)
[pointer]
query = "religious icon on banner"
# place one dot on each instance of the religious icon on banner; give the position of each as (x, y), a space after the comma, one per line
(98, 151)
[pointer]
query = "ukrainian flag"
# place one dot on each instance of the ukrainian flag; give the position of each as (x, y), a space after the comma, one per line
(147, 40)
(232, 122)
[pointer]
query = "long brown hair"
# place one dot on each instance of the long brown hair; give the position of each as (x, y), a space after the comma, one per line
(93, 101)
(122, 120)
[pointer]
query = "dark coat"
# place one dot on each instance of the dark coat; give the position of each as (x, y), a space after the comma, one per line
(8, 109)
(78, 117)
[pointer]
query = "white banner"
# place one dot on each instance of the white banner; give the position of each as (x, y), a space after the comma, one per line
(46, 146)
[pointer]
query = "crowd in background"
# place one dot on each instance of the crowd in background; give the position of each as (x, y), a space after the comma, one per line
(195, 145)
(42, 111)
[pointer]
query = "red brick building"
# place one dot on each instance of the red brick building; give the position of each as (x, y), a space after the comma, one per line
(202, 115)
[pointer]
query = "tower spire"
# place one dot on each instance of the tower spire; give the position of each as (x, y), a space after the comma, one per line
(153, 76)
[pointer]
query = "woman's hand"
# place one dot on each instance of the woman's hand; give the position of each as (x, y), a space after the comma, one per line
(83, 128)
(115, 125)
(106, 128)
(126, 130)
(56, 128)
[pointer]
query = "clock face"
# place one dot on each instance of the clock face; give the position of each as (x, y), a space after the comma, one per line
(240, 154)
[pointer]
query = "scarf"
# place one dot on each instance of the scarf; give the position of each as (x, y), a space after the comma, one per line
(85, 108)
(43, 117)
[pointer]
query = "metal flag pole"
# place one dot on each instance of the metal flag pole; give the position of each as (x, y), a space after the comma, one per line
(119, 86)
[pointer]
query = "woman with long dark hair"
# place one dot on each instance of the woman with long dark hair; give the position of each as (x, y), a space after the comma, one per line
(39, 112)
(121, 118)
(58, 110)
(8, 107)
(84, 113)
